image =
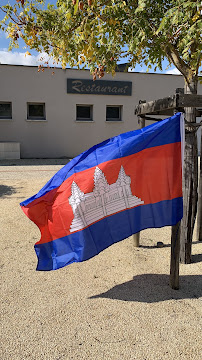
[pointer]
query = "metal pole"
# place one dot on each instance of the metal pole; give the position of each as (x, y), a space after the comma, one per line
(175, 254)
(136, 237)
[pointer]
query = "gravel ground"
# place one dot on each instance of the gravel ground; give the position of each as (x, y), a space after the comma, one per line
(115, 306)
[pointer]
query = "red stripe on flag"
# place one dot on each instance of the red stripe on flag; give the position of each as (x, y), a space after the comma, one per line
(155, 173)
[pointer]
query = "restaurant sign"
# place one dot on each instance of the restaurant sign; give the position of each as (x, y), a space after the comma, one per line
(99, 87)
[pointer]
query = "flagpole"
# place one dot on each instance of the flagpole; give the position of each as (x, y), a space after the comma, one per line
(136, 237)
(175, 252)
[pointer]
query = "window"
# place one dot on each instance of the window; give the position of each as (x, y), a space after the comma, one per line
(113, 112)
(36, 111)
(84, 112)
(5, 110)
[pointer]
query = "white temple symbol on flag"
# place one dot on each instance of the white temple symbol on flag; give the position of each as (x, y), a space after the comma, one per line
(104, 200)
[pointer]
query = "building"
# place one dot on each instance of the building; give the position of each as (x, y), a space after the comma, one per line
(62, 114)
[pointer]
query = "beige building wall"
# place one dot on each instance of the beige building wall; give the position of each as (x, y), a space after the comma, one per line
(61, 135)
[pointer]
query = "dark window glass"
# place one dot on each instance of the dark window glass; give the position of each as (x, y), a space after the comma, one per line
(5, 110)
(113, 113)
(36, 111)
(84, 112)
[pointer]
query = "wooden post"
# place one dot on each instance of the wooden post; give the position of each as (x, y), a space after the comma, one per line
(190, 184)
(141, 122)
(174, 259)
(136, 237)
(199, 220)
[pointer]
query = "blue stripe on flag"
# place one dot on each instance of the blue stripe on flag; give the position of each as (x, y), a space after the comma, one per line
(83, 245)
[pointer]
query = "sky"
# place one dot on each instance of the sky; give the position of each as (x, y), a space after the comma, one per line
(18, 57)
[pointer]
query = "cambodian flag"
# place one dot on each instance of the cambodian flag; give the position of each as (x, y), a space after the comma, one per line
(119, 187)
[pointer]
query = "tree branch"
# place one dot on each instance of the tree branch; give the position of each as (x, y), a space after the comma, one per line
(15, 21)
(180, 64)
(198, 63)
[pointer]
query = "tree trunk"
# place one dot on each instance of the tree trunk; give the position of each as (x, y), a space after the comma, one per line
(190, 181)
(199, 214)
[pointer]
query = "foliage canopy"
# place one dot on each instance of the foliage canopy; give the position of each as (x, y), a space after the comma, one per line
(98, 33)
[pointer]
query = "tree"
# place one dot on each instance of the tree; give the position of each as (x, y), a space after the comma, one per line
(99, 33)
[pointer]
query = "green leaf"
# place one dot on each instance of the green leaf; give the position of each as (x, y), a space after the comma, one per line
(76, 7)
(162, 24)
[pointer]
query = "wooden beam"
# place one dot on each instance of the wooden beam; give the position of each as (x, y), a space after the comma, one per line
(169, 112)
(166, 105)
(151, 118)
(157, 105)
(189, 100)
(198, 112)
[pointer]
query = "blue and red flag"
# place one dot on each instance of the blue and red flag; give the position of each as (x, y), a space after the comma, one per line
(117, 188)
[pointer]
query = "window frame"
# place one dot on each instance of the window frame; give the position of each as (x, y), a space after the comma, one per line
(7, 117)
(80, 119)
(36, 118)
(120, 107)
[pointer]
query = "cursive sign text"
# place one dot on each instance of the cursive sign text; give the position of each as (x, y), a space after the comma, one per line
(99, 87)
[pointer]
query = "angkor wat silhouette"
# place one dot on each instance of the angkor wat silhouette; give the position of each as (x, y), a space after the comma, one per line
(103, 201)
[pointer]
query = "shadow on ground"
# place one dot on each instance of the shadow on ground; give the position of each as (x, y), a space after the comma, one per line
(151, 288)
(153, 246)
(30, 162)
(6, 190)
(196, 258)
